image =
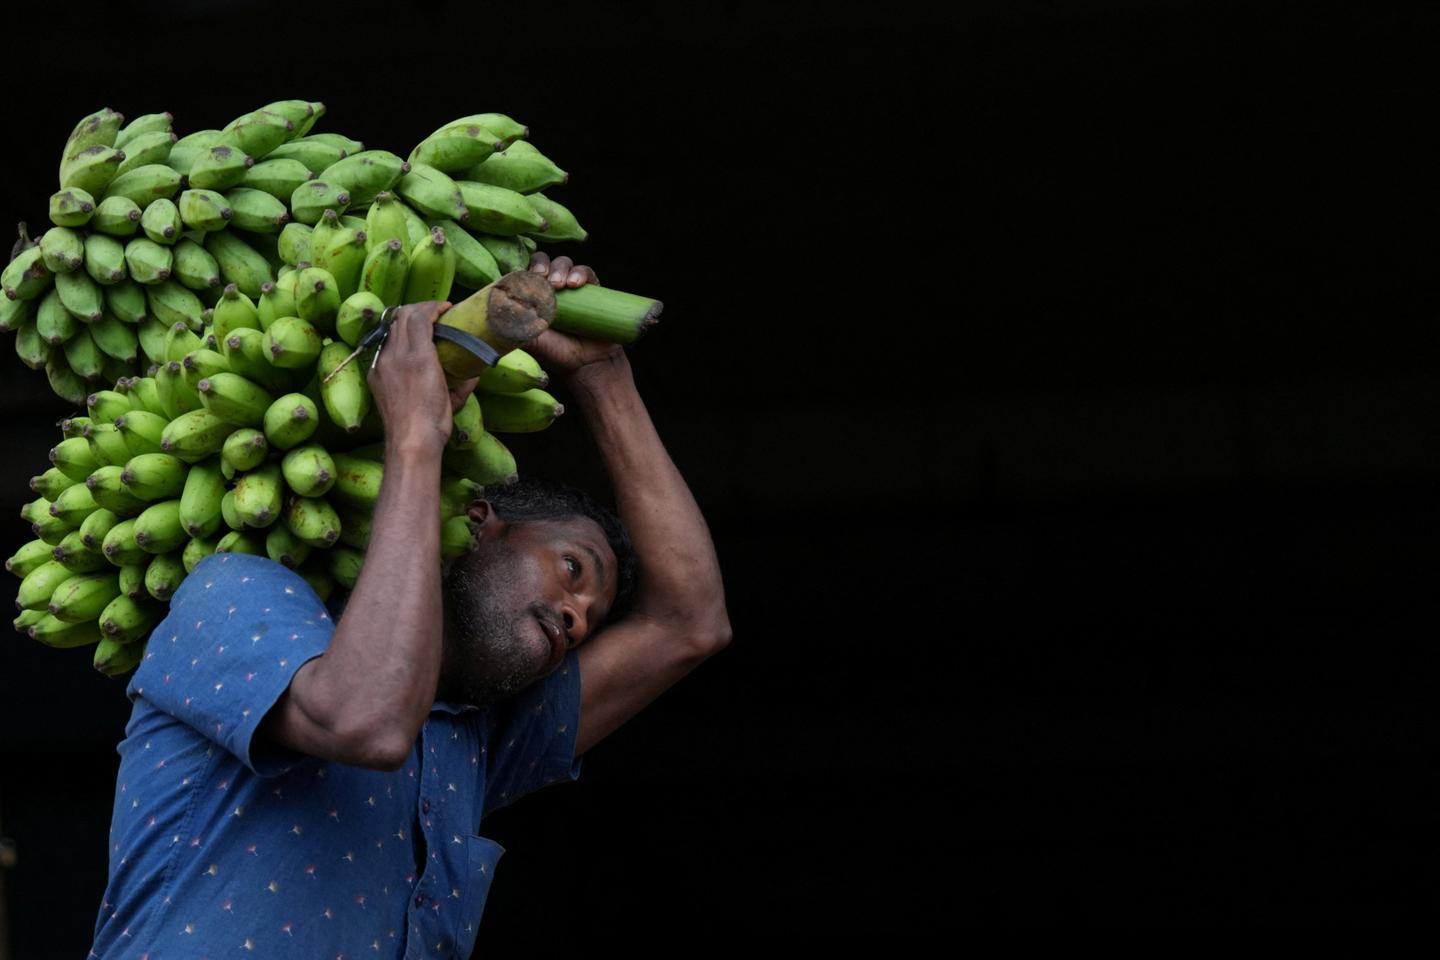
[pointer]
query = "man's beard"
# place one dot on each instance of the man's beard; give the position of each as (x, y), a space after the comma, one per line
(488, 655)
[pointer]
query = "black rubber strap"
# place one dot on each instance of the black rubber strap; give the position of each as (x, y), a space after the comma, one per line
(487, 354)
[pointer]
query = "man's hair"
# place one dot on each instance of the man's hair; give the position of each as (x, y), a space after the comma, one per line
(532, 499)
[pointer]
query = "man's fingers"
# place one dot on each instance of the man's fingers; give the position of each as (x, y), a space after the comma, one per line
(560, 271)
(540, 262)
(593, 279)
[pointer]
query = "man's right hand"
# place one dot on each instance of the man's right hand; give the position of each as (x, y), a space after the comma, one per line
(415, 401)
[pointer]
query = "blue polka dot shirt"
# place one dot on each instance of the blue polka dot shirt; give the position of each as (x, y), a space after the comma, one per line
(222, 845)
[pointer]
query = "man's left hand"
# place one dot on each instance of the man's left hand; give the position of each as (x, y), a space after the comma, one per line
(559, 353)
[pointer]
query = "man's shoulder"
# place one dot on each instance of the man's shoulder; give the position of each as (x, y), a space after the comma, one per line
(229, 574)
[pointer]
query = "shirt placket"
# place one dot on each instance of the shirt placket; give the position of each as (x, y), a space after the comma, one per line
(445, 812)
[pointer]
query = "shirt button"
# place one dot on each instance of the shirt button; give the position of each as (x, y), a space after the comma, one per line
(425, 806)
(419, 899)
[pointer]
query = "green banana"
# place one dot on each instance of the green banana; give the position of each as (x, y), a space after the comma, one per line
(147, 149)
(93, 528)
(256, 210)
(509, 253)
(365, 174)
(433, 192)
(39, 584)
(416, 229)
(313, 197)
(151, 333)
(317, 298)
(345, 394)
(195, 435)
(259, 132)
(294, 243)
(456, 147)
(200, 499)
(384, 273)
(92, 169)
(98, 129)
(33, 351)
(354, 527)
(526, 412)
(562, 223)
(104, 406)
(108, 443)
(457, 493)
(62, 249)
(65, 382)
(161, 221)
(200, 364)
(51, 483)
(30, 556)
(115, 659)
(276, 301)
(126, 300)
(144, 184)
(74, 458)
(173, 304)
(116, 217)
(488, 462)
(521, 168)
(13, 314)
(112, 370)
(457, 537)
(237, 541)
(341, 251)
(358, 315)
(515, 372)
(432, 270)
(309, 470)
(110, 492)
(301, 113)
(341, 142)
(468, 424)
(81, 295)
(292, 343)
(290, 421)
(83, 596)
(475, 267)
(162, 578)
(35, 509)
(194, 267)
(27, 619)
(282, 546)
(357, 482)
(385, 221)
(240, 263)
(72, 553)
(73, 505)
(248, 356)
(132, 580)
(104, 259)
(142, 431)
(245, 449)
(345, 565)
(277, 177)
(179, 340)
(235, 310)
(313, 520)
(148, 124)
(158, 529)
(50, 529)
(53, 322)
(204, 210)
(497, 123)
(185, 151)
(54, 632)
(219, 168)
(126, 619)
(196, 550)
(26, 277)
(499, 211)
(148, 261)
(145, 391)
(259, 496)
(232, 397)
(71, 208)
(154, 476)
(314, 154)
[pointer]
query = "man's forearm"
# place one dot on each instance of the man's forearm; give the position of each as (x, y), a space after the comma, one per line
(381, 668)
(679, 573)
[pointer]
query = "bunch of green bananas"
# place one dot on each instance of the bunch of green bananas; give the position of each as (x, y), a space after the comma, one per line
(198, 295)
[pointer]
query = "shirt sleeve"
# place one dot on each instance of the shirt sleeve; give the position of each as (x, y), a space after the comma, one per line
(530, 739)
(239, 628)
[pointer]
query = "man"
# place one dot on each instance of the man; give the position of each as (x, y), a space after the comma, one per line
(296, 786)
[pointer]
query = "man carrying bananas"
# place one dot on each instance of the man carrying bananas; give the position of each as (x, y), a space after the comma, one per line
(296, 785)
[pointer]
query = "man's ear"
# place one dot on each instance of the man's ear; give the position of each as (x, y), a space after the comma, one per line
(487, 521)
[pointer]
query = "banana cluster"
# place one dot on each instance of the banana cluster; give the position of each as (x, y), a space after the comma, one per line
(197, 293)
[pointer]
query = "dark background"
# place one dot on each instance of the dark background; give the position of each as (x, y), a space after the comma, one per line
(1059, 383)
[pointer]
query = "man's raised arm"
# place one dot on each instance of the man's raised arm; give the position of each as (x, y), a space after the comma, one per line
(679, 617)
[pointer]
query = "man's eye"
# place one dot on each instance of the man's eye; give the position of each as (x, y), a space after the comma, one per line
(573, 566)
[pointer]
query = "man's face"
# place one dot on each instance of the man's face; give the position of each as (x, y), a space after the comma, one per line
(514, 606)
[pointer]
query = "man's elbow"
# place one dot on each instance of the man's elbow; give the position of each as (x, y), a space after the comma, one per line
(715, 635)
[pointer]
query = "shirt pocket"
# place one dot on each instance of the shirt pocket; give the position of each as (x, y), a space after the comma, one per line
(482, 854)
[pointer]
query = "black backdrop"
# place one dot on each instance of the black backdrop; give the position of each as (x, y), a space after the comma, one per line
(1058, 381)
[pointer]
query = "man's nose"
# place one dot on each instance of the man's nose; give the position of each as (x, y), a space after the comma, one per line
(575, 619)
